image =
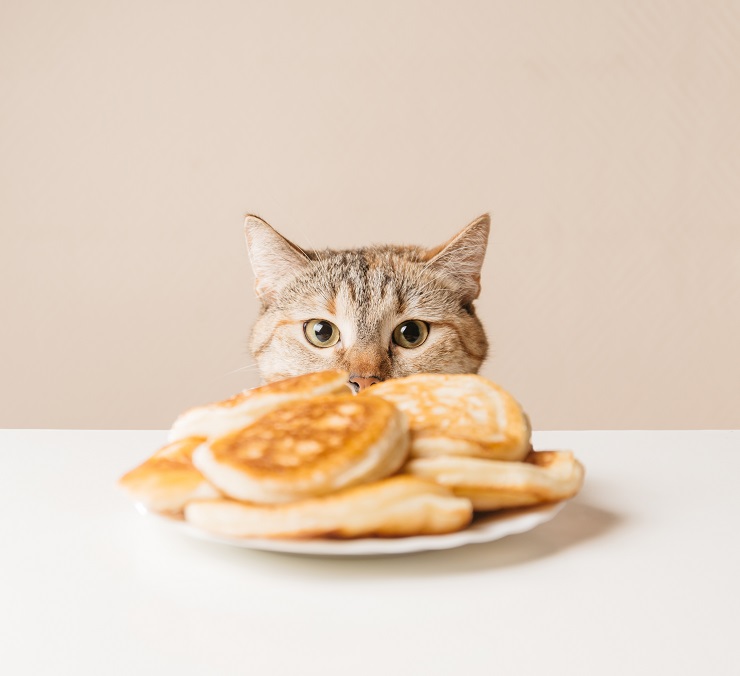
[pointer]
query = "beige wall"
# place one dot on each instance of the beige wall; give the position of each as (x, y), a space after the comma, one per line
(604, 137)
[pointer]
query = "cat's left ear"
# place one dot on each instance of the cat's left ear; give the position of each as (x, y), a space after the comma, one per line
(462, 257)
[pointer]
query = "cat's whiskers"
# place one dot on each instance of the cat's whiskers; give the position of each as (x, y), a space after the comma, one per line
(248, 367)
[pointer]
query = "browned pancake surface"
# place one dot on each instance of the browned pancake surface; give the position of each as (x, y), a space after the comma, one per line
(304, 436)
(458, 414)
(165, 481)
(299, 385)
(171, 459)
(545, 476)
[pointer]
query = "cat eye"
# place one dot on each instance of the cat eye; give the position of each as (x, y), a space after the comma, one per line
(411, 333)
(321, 333)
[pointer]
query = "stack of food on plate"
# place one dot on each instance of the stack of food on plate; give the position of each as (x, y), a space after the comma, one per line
(305, 457)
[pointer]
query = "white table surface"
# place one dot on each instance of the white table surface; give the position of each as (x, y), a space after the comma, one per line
(638, 574)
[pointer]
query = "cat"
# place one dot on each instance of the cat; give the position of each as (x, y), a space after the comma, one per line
(377, 312)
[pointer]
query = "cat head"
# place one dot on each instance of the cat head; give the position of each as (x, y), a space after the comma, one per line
(377, 312)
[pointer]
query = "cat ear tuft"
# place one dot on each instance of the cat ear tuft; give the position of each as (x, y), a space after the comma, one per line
(462, 257)
(275, 260)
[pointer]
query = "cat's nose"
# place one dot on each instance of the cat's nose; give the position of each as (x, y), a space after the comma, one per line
(360, 383)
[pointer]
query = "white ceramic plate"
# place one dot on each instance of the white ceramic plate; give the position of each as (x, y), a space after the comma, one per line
(486, 528)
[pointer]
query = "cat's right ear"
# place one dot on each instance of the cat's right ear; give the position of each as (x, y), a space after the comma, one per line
(274, 259)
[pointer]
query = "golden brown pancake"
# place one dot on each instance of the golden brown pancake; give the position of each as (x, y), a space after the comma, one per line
(458, 415)
(167, 480)
(214, 420)
(395, 507)
(307, 448)
(546, 476)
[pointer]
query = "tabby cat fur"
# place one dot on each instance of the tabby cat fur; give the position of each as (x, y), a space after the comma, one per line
(366, 301)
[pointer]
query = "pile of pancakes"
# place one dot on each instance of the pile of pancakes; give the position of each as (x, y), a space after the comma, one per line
(305, 457)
